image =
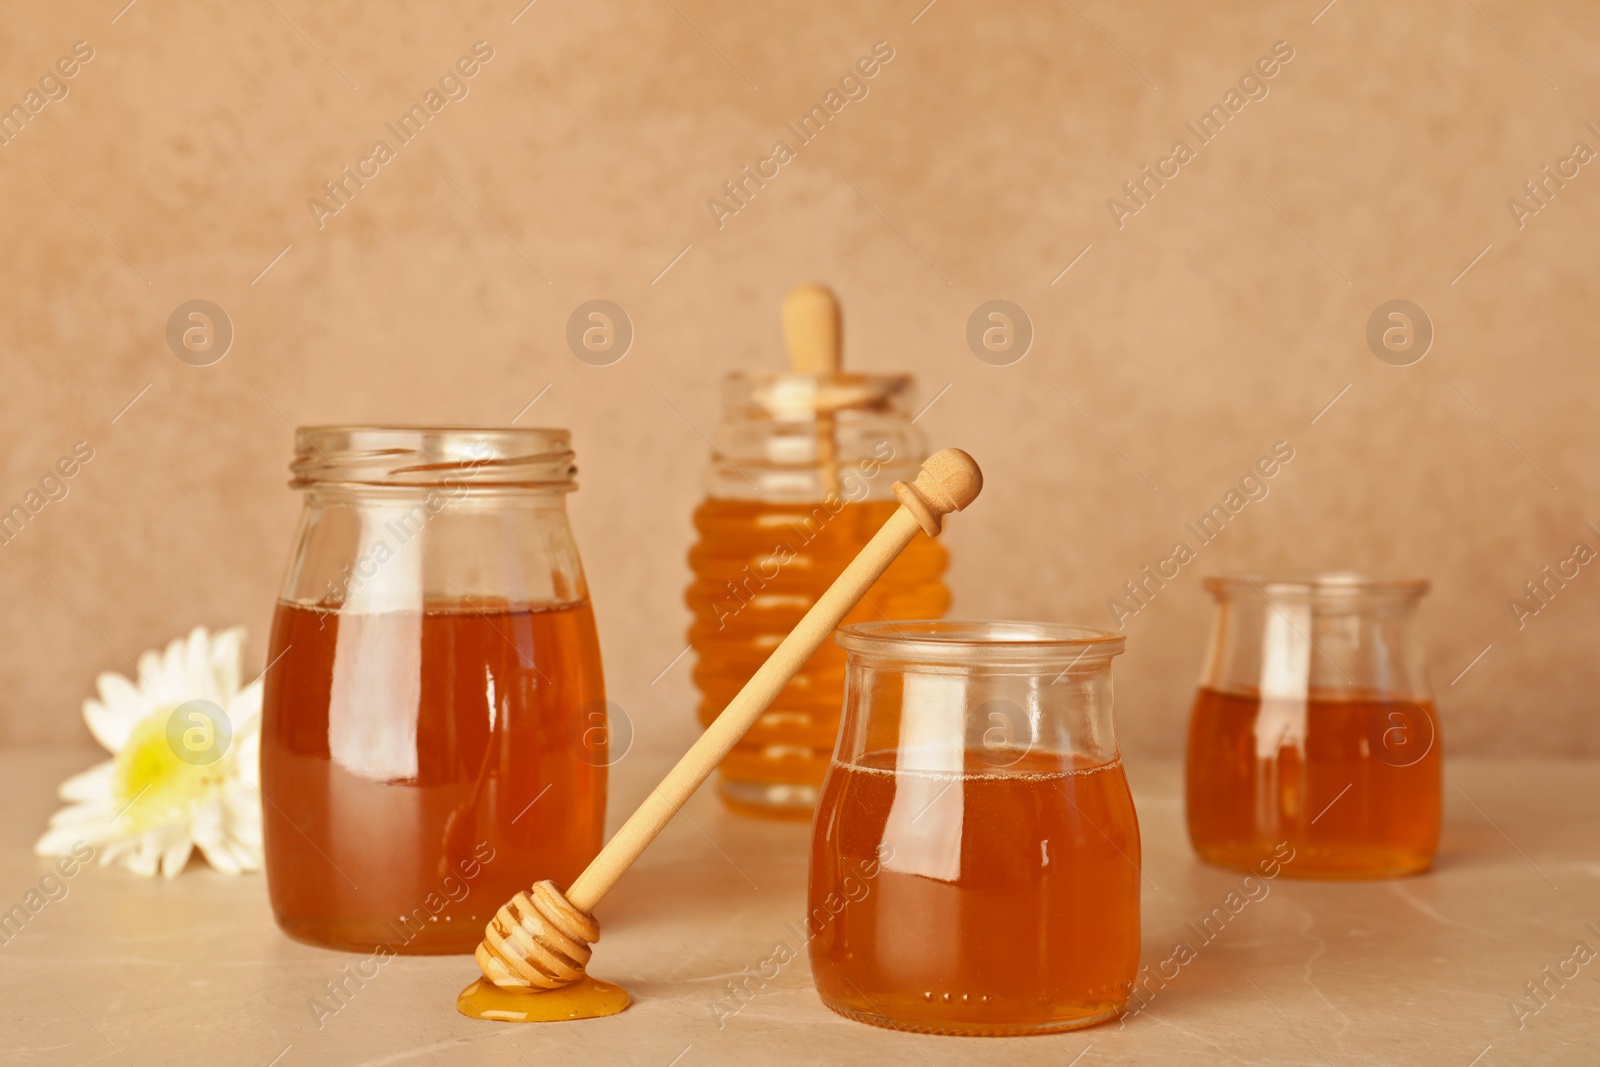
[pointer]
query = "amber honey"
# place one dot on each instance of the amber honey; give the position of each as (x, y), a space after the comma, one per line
(758, 567)
(1355, 789)
(1002, 900)
(421, 768)
(587, 998)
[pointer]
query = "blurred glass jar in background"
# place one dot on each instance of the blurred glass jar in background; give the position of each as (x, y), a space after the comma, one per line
(975, 857)
(800, 479)
(1314, 726)
(433, 739)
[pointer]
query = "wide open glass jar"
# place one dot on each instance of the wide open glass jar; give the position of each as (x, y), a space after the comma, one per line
(975, 856)
(1314, 733)
(800, 479)
(433, 739)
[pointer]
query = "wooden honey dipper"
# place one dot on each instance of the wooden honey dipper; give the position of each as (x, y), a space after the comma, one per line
(541, 939)
(813, 332)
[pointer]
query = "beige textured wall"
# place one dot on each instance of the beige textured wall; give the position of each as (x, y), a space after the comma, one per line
(1219, 319)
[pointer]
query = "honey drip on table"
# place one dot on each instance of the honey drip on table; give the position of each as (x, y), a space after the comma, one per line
(586, 998)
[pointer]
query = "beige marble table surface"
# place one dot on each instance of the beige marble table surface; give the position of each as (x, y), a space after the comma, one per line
(1423, 970)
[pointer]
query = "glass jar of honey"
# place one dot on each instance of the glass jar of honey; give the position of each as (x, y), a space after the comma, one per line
(1314, 727)
(433, 735)
(800, 479)
(975, 856)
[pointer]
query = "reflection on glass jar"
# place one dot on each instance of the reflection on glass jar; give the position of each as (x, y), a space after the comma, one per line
(428, 746)
(800, 480)
(1314, 725)
(975, 856)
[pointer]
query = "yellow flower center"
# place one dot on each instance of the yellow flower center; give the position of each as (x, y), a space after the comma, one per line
(154, 785)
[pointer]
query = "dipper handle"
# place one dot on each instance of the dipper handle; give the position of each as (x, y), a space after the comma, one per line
(811, 329)
(949, 481)
(541, 939)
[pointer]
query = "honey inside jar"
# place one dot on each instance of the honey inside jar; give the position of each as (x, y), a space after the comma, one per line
(434, 733)
(1314, 727)
(975, 856)
(1351, 781)
(800, 479)
(758, 568)
(424, 767)
(1023, 917)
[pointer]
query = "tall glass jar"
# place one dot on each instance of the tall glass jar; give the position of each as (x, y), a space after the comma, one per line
(800, 479)
(433, 739)
(1314, 743)
(975, 857)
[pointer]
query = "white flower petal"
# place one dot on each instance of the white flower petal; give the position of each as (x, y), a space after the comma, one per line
(150, 671)
(57, 841)
(223, 821)
(118, 692)
(88, 817)
(120, 707)
(249, 858)
(244, 710)
(220, 858)
(247, 760)
(112, 723)
(210, 836)
(173, 680)
(109, 728)
(142, 860)
(199, 680)
(176, 856)
(93, 785)
(227, 649)
(115, 851)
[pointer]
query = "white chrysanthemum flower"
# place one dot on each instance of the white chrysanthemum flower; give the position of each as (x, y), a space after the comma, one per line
(185, 768)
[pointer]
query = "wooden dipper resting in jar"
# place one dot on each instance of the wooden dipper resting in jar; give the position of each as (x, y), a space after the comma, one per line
(812, 329)
(541, 939)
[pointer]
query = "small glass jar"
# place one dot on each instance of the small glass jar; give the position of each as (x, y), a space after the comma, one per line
(433, 733)
(975, 856)
(800, 479)
(1314, 734)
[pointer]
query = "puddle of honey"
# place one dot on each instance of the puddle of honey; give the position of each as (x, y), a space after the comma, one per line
(583, 999)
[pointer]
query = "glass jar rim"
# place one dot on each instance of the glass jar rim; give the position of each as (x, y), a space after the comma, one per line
(1315, 584)
(433, 456)
(980, 642)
